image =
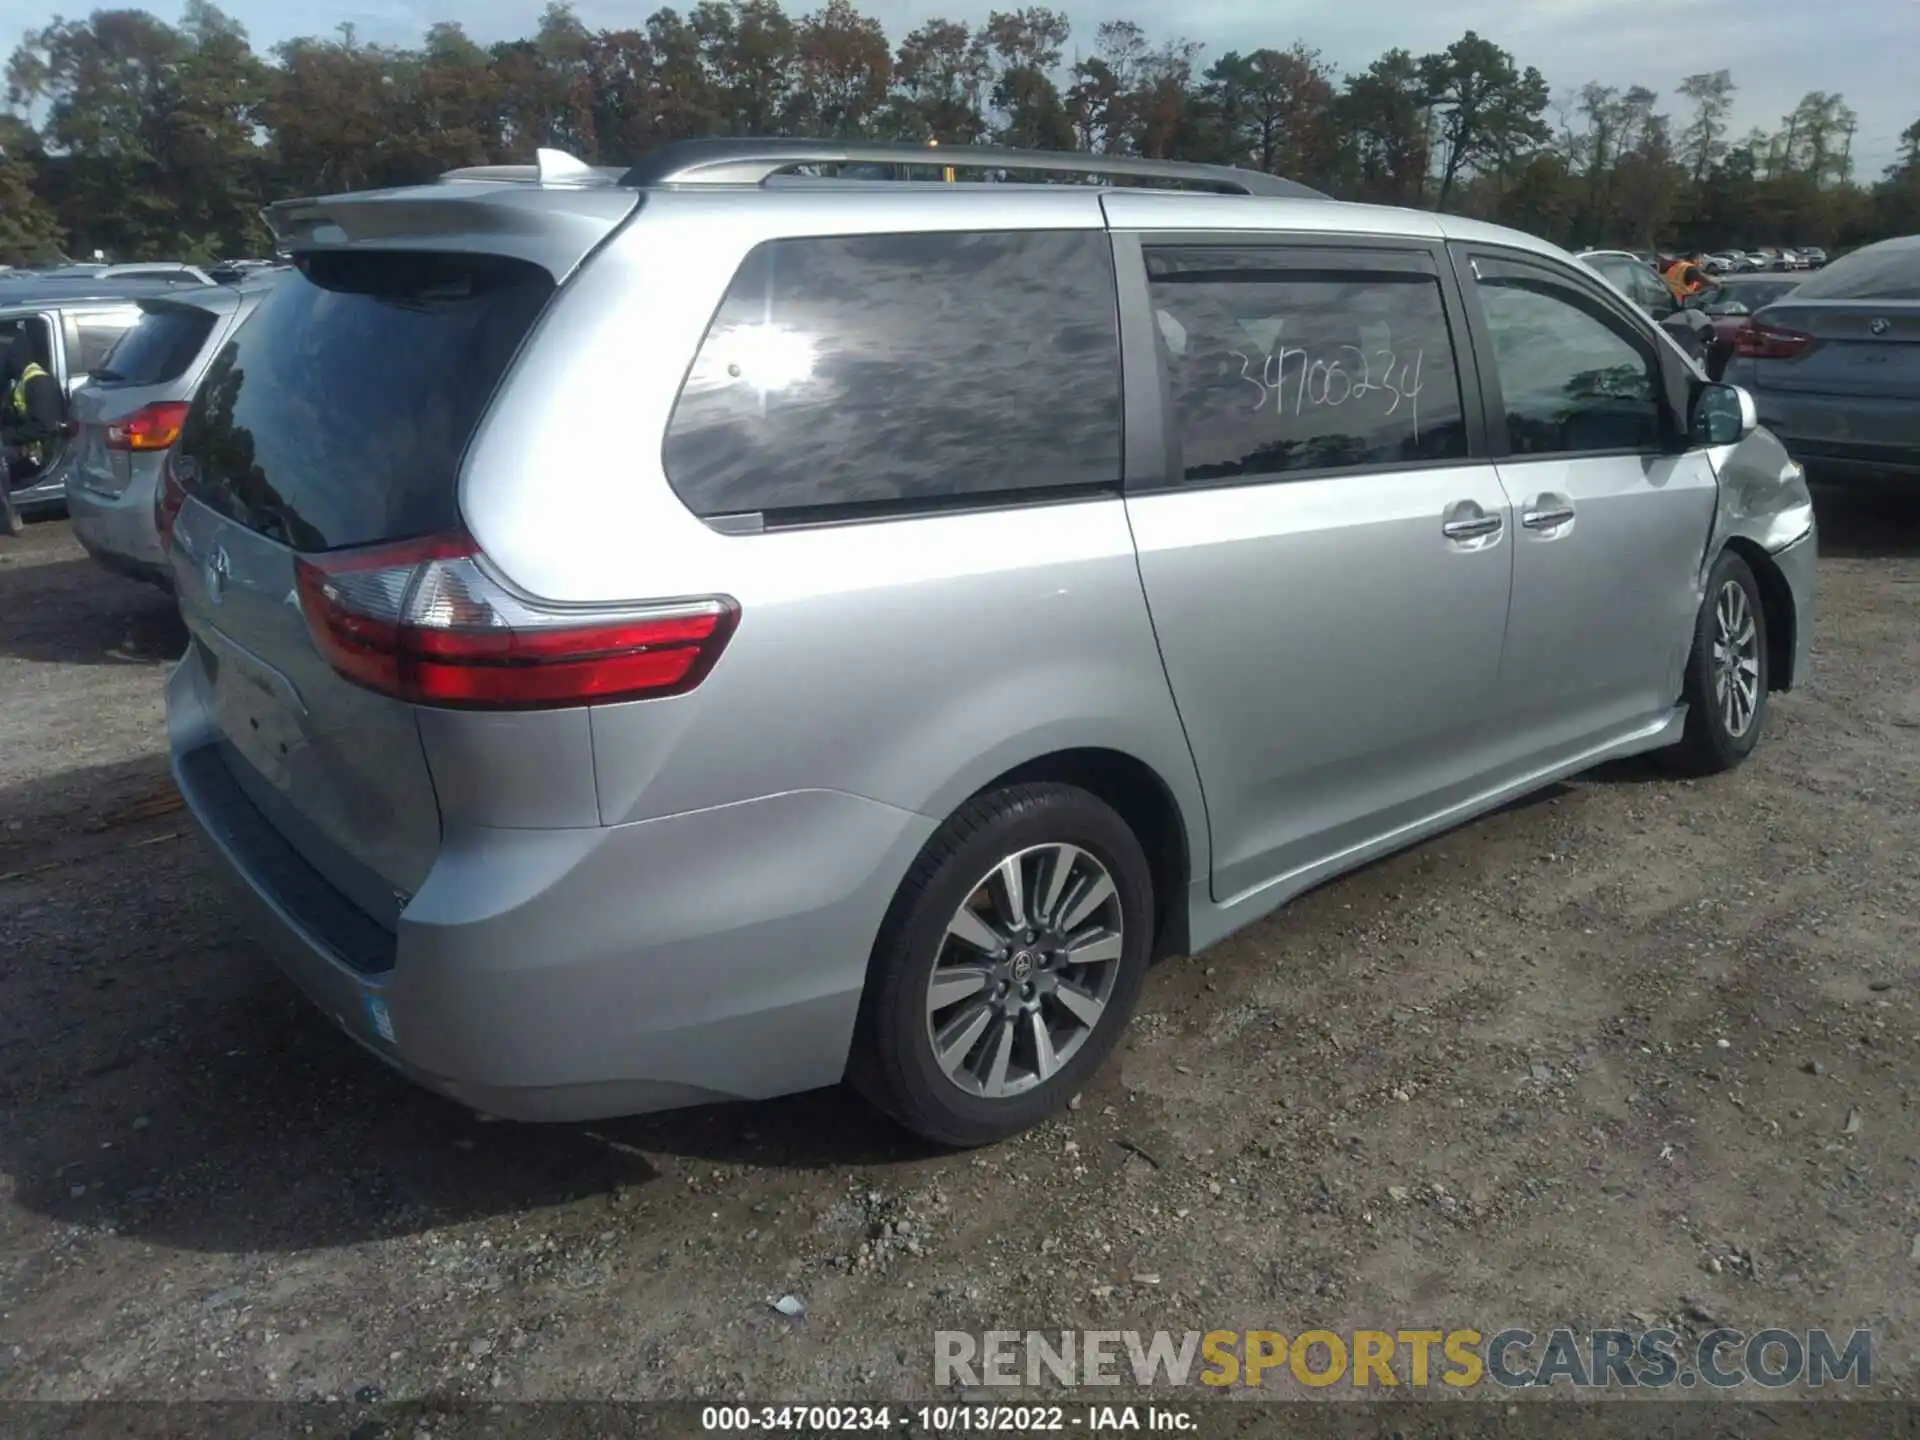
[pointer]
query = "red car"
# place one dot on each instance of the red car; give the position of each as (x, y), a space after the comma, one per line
(1729, 307)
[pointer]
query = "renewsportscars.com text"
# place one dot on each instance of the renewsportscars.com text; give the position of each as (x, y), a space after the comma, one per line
(1722, 1359)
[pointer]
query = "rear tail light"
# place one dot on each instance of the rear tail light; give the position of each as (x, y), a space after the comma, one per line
(168, 496)
(1766, 342)
(421, 621)
(152, 427)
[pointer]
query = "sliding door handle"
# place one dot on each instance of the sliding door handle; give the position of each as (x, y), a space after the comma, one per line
(1547, 518)
(1471, 527)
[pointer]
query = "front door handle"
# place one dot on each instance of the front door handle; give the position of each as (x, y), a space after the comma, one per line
(1471, 528)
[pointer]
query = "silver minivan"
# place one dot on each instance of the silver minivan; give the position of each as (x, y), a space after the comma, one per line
(725, 628)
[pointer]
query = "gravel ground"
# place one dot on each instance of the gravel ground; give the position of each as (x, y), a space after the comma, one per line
(1637, 1051)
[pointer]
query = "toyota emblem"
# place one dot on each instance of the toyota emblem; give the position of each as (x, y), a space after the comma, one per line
(1881, 325)
(216, 573)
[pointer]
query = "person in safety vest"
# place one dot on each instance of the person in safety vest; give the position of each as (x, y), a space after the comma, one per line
(29, 422)
(1686, 276)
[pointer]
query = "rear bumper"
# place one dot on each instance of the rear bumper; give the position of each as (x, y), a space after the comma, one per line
(117, 530)
(575, 974)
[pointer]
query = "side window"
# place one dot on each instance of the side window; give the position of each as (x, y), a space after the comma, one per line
(1571, 377)
(91, 338)
(881, 369)
(1284, 359)
(1653, 293)
(1637, 282)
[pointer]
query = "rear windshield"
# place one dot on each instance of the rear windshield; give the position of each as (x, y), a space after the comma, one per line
(1755, 293)
(1888, 271)
(159, 348)
(338, 414)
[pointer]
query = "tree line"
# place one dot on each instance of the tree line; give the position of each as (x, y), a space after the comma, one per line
(149, 140)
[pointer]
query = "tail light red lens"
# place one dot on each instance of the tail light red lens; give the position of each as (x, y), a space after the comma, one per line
(1765, 342)
(153, 427)
(168, 496)
(421, 621)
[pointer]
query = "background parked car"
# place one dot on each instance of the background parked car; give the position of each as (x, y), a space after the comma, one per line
(73, 316)
(157, 269)
(1834, 365)
(1634, 278)
(1642, 284)
(71, 327)
(129, 417)
(1729, 307)
(1814, 256)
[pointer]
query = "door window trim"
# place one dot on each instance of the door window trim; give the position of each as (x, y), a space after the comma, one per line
(1152, 460)
(1626, 317)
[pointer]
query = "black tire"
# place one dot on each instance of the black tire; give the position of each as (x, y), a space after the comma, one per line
(893, 1061)
(1710, 745)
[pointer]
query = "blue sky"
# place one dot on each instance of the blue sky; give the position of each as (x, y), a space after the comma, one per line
(1777, 49)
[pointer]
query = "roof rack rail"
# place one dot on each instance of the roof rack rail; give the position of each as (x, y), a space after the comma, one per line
(550, 167)
(754, 162)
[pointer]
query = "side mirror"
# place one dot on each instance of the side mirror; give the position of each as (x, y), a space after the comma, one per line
(1722, 415)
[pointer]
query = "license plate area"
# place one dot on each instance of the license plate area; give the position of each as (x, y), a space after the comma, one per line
(255, 706)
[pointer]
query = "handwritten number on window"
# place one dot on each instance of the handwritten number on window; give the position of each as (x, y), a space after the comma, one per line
(1319, 383)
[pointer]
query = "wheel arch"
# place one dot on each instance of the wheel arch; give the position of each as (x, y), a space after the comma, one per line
(1143, 798)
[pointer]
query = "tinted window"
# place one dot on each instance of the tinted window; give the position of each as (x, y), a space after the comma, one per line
(903, 368)
(95, 336)
(1286, 359)
(159, 348)
(1637, 282)
(1620, 270)
(1887, 271)
(1652, 293)
(1747, 296)
(338, 414)
(1570, 376)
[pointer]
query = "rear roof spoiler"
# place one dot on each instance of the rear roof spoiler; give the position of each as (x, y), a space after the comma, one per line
(215, 299)
(550, 167)
(553, 227)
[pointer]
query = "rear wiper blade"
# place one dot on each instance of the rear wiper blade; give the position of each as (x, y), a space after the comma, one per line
(107, 375)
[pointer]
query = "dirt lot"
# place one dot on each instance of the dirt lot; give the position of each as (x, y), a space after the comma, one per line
(1640, 1050)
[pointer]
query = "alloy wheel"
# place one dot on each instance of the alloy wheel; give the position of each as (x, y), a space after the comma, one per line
(1736, 659)
(1025, 972)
